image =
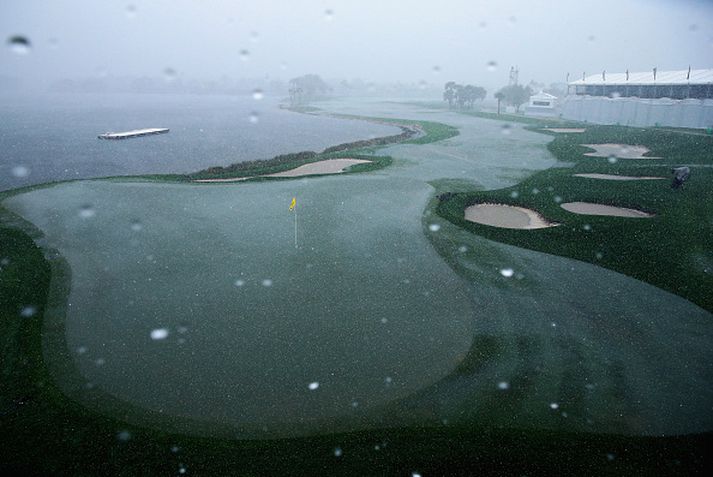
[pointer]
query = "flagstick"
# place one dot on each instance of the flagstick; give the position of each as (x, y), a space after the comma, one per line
(295, 227)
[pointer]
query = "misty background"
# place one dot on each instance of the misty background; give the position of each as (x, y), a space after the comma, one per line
(223, 45)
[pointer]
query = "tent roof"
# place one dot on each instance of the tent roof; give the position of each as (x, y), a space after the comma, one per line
(647, 77)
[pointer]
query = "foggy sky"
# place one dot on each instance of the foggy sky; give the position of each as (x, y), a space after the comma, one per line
(380, 40)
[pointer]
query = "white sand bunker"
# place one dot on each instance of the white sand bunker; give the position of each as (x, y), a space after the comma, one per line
(506, 216)
(622, 151)
(611, 177)
(566, 130)
(329, 166)
(588, 208)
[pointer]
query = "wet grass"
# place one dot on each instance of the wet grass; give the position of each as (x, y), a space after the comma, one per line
(669, 251)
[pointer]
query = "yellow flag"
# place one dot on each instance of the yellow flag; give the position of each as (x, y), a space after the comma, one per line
(293, 203)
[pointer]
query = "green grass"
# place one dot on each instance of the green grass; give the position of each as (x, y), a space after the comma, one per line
(671, 251)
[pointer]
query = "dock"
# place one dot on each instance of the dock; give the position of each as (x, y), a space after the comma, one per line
(134, 133)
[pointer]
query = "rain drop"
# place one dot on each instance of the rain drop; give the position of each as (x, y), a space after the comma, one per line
(554, 405)
(54, 43)
(123, 436)
(587, 227)
(19, 44)
(20, 171)
(512, 20)
(267, 282)
(482, 25)
(514, 194)
(100, 361)
(436, 70)
(491, 66)
(131, 11)
(591, 38)
(239, 283)
(136, 226)
(329, 15)
(422, 85)
(182, 469)
(692, 27)
(258, 94)
(535, 191)
(169, 74)
(175, 449)
(415, 474)
(254, 118)
(254, 37)
(312, 386)
(507, 272)
(337, 452)
(503, 385)
(434, 227)
(612, 159)
(81, 350)
(388, 380)
(462, 249)
(599, 255)
(557, 199)
(86, 212)
(244, 55)
(506, 129)
(610, 457)
(28, 311)
(159, 334)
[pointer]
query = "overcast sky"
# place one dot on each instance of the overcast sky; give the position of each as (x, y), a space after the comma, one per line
(381, 40)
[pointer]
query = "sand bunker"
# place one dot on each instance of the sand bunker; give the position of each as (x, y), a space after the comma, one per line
(566, 130)
(506, 216)
(588, 208)
(622, 151)
(329, 166)
(611, 177)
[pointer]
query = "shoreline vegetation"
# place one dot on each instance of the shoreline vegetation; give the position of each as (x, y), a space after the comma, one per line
(39, 420)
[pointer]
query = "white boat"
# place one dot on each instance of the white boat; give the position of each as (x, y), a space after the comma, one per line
(134, 133)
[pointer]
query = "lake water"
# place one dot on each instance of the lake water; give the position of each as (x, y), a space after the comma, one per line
(54, 137)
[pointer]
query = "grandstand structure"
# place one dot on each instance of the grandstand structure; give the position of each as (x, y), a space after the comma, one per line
(682, 98)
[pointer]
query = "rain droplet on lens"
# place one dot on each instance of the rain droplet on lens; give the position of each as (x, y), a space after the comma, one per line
(239, 283)
(507, 272)
(535, 191)
(587, 227)
(482, 25)
(491, 66)
(169, 74)
(131, 11)
(503, 385)
(19, 44)
(512, 20)
(612, 159)
(554, 405)
(506, 129)
(313, 385)
(422, 85)
(136, 226)
(434, 227)
(20, 171)
(28, 311)
(54, 43)
(254, 37)
(258, 94)
(182, 469)
(254, 117)
(267, 282)
(123, 436)
(86, 212)
(591, 38)
(692, 27)
(329, 15)
(514, 194)
(436, 70)
(244, 55)
(557, 199)
(81, 350)
(159, 334)
(337, 452)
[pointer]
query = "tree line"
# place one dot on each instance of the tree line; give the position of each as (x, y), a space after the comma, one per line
(464, 96)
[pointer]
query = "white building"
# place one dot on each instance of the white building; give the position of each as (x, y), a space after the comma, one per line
(542, 104)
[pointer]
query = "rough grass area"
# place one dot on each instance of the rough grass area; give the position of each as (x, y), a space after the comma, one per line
(671, 250)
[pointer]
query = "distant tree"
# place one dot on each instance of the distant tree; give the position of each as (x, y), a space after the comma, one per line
(306, 88)
(500, 96)
(515, 95)
(462, 96)
(449, 93)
